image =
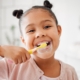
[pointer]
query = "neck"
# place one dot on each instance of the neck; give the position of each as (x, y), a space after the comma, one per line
(45, 62)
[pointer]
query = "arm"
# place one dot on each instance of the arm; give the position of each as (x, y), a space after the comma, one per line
(1, 51)
(15, 53)
(3, 66)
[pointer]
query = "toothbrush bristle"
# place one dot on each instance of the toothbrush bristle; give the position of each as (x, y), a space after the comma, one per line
(43, 45)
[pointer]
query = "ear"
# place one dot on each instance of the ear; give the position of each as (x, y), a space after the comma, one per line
(22, 40)
(59, 30)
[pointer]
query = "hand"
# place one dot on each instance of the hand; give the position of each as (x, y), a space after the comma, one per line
(15, 53)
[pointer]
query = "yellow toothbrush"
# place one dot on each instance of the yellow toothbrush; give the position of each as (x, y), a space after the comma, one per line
(43, 45)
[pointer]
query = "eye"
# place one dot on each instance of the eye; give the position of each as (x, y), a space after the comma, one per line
(46, 27)
(30, 31)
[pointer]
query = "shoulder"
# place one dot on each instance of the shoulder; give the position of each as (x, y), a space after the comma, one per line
(69, 71)
(67, 66)
(3, 69)
(10, 65)
(3, 62)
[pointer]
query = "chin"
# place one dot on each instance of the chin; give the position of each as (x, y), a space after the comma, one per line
(45, 56)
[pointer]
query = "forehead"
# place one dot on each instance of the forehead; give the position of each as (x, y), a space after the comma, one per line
(36, 16)
(34, 10)
(39, 12)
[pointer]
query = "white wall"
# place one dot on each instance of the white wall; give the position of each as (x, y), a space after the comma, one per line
(68, 14)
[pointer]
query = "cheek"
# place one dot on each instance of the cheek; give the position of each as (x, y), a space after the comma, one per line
(55, 38)
(56, 42)
(53, 33)
(28, 41)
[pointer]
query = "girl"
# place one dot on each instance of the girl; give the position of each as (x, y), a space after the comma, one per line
(37, 25)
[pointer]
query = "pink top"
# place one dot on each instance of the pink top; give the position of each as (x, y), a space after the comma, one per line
(30, 71)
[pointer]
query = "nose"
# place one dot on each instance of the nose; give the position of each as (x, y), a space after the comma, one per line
(40, 34)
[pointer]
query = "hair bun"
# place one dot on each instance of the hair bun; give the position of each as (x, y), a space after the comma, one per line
(47, 4)
(17, 13)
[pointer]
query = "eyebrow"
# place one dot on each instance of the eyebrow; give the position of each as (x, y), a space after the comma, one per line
(40, 23)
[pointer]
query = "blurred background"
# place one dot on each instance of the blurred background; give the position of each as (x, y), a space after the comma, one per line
(68, 15)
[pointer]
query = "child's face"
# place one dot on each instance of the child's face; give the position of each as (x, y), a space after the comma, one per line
(38, 27)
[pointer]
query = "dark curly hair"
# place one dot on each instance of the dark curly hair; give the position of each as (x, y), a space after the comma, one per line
(47, 6)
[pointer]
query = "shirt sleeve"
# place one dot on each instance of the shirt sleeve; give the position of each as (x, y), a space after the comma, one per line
(3, 69)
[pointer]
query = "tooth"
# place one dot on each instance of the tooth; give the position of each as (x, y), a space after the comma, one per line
(42, 42)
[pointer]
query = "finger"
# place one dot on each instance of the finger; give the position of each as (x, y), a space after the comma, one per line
(16, 61)
(24, 58)
(20, 60)
(28, 55)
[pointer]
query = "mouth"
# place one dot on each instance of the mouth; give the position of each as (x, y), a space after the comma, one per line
(48, 43)
(47, 49)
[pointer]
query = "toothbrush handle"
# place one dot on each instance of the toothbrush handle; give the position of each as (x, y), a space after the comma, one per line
(30, 51)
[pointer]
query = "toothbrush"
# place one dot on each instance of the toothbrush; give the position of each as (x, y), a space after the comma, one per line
(43, 45)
